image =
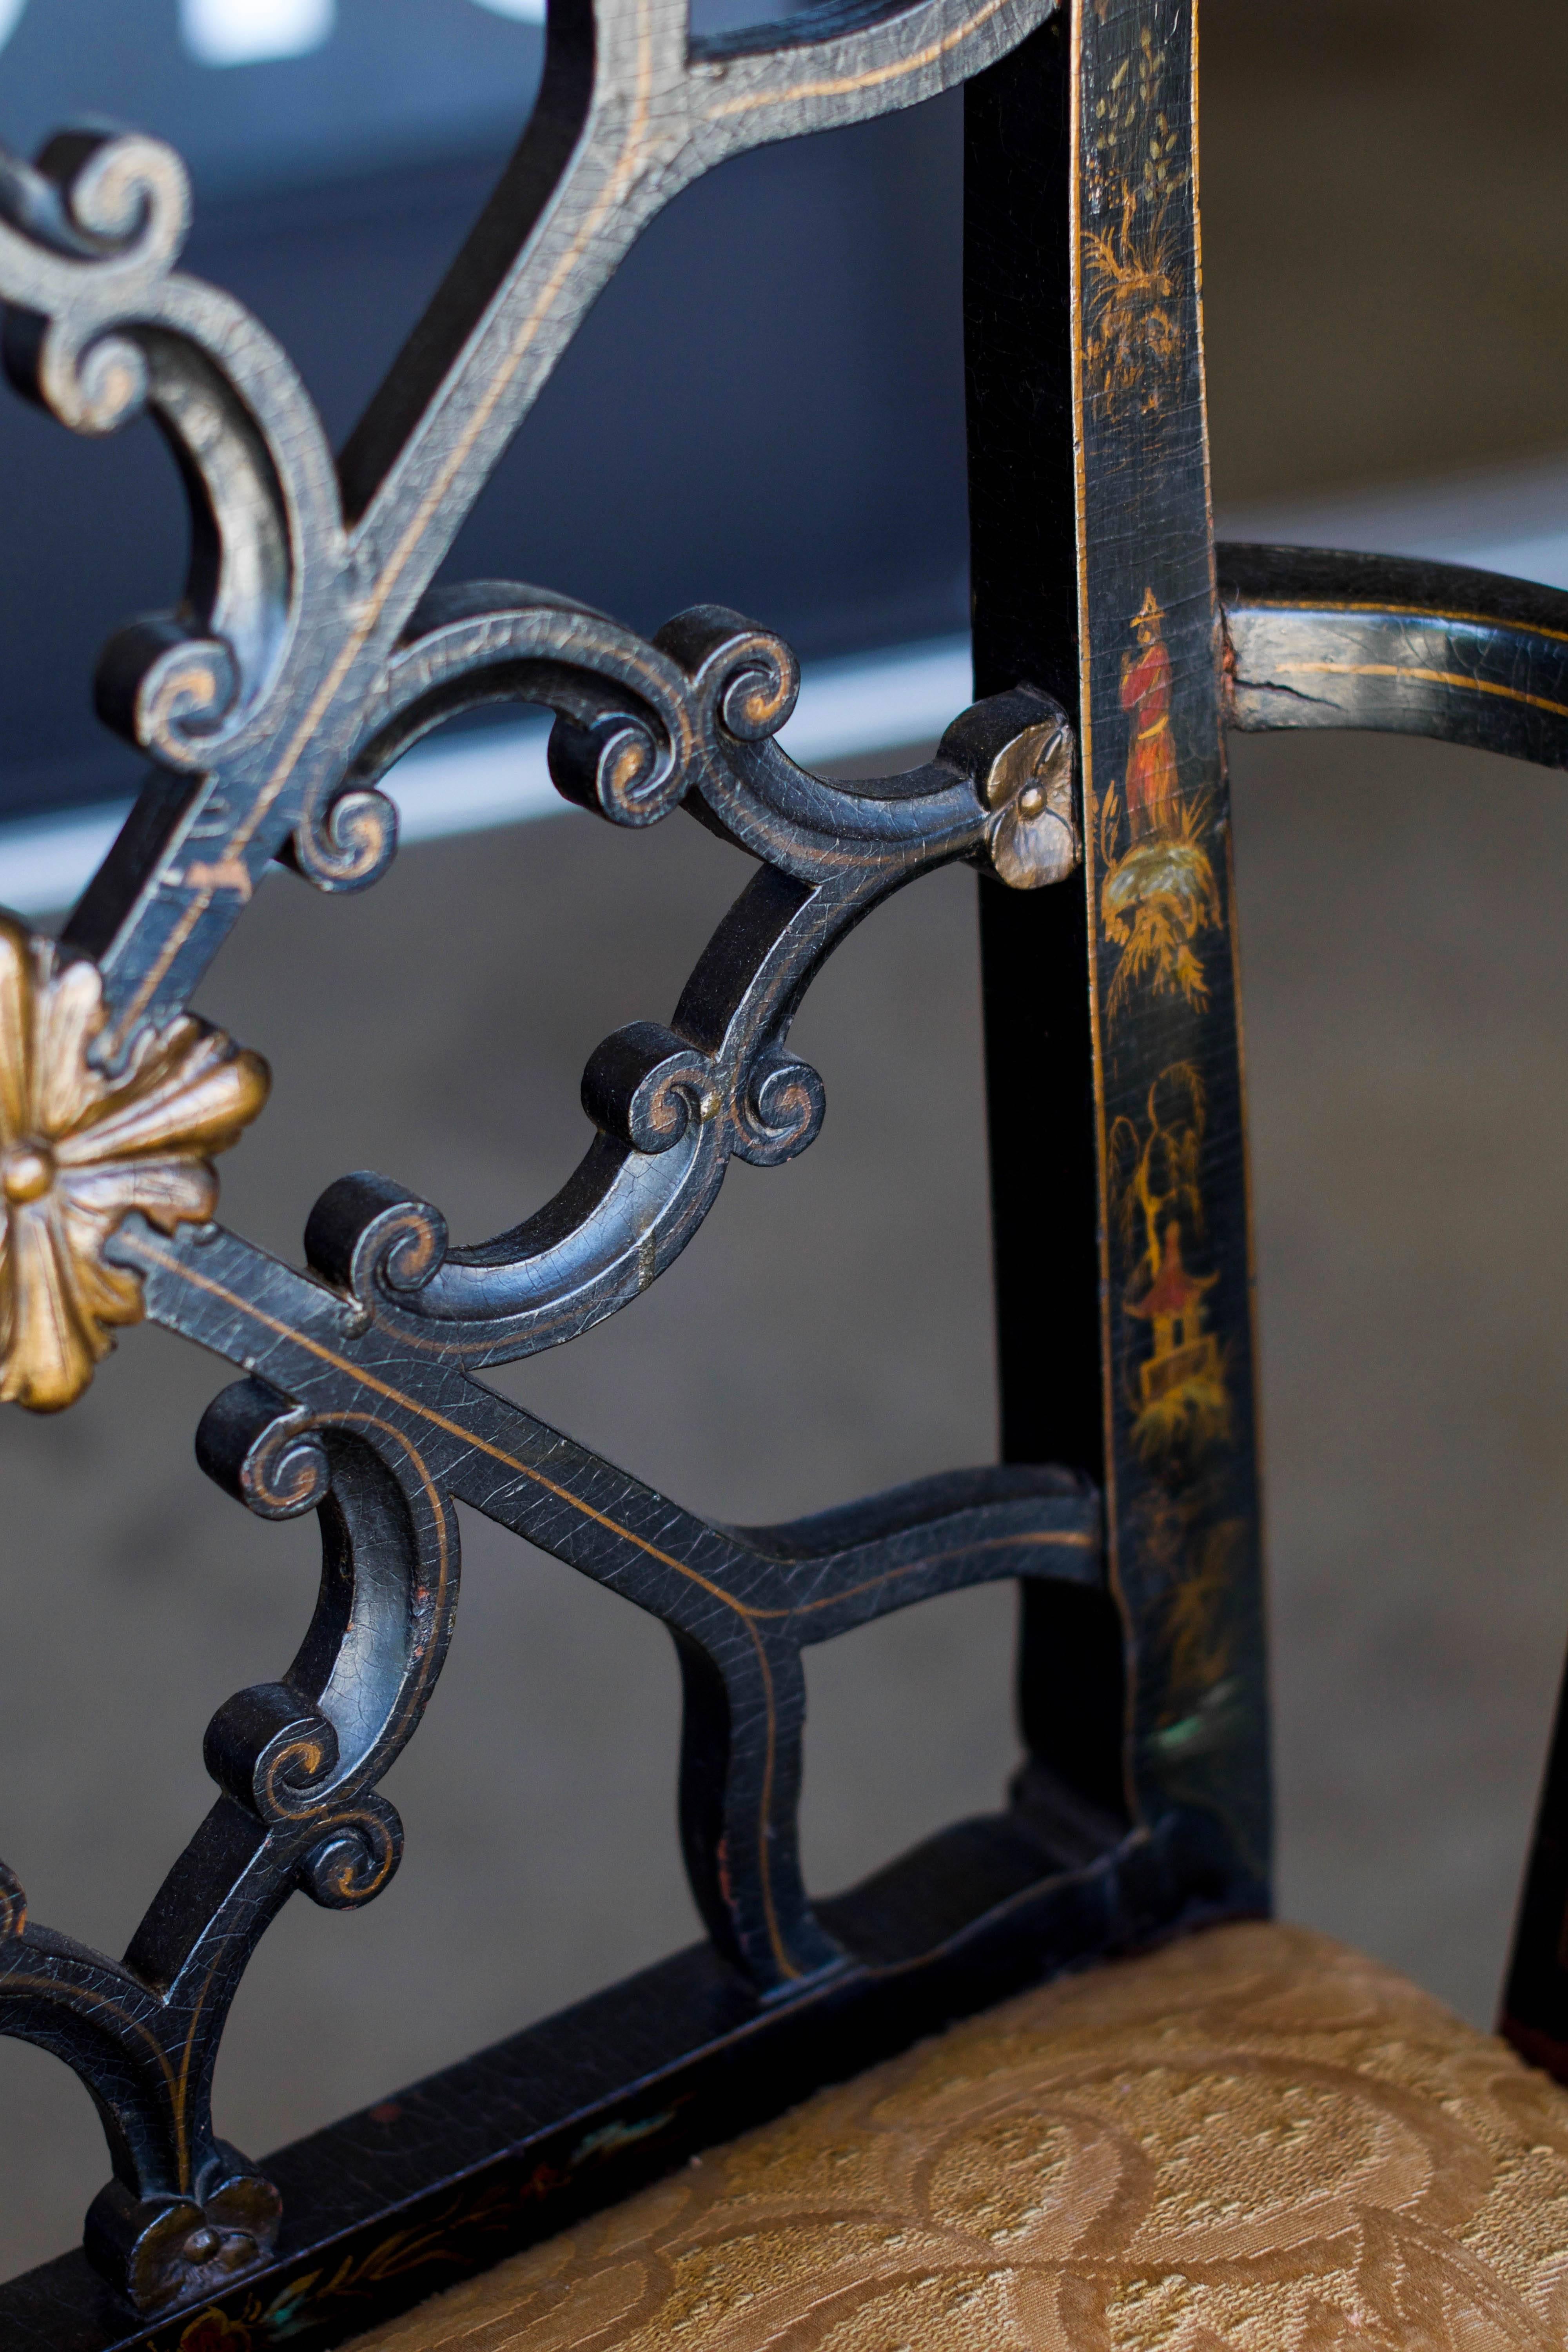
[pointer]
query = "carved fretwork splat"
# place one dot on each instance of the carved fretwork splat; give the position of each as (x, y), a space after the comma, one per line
(307, 655)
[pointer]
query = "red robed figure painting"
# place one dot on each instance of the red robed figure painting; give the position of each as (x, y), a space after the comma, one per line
(1150, 758)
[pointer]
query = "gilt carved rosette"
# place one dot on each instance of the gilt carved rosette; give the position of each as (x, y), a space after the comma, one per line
(82, 1149)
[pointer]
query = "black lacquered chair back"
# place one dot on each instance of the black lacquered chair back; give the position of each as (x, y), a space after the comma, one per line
(1086, 785)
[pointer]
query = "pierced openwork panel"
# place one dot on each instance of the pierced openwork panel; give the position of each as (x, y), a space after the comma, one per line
(1087, 787)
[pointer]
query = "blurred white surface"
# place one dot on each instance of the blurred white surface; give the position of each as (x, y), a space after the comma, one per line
(245, 32)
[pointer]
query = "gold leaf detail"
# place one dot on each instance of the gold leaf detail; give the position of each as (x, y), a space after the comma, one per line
(1033, 835)
(82, 1149)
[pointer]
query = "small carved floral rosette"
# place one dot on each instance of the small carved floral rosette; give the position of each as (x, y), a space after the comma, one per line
(1033, 835)
(80, 1150)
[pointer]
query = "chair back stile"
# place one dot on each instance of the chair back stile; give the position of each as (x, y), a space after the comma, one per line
(1123, 1253)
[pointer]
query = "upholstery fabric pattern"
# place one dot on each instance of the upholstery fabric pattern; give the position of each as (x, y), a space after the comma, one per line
(1252, 2141)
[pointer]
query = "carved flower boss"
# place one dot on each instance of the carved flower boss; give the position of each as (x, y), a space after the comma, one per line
(81, 1149)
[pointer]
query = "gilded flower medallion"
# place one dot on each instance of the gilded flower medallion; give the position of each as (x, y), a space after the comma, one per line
(82, 1149)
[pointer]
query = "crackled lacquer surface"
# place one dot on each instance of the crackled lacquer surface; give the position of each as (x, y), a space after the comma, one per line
(1087, 788)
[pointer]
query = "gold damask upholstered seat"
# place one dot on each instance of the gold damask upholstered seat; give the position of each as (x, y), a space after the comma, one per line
(1253, 2139)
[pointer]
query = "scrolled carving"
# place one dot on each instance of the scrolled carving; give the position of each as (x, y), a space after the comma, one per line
(758, 691)
(781, 1111)
(128, 196)
(167, 691)
(673, 1104)
(82, 1147)
(188, 687)
(103, 217)
(365, 1233)
(311, 574)
(95, 390)
(638, 725)
(265, 1453)
(348, 844)
(746, 679)
(277, 1754)
(301, 1754)
(356, 1859)
(272, 1751)
(618, 764)
(647, 1087)
(628, 719)
(330, 1727)
(295, 1761)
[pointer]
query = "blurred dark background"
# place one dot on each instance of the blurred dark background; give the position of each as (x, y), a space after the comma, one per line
(1386, 293)
(1384, 273)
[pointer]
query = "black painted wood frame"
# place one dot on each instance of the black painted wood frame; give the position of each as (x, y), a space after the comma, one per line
(1087, 786)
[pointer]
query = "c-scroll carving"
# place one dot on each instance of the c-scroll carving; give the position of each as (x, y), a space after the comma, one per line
(296, 1763)
(672, 1105)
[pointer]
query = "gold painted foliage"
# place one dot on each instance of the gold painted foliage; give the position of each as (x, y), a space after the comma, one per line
(80, 1150)
(1132, 347)
(1156, 900)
